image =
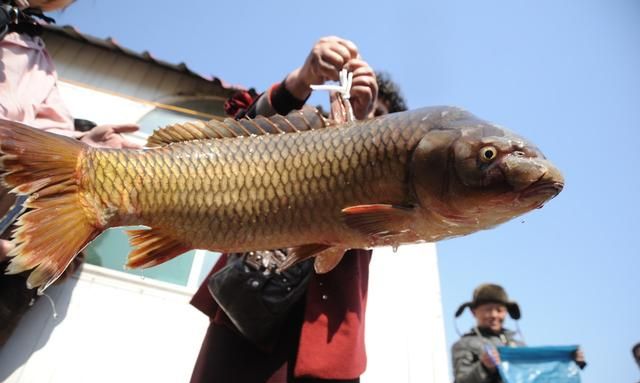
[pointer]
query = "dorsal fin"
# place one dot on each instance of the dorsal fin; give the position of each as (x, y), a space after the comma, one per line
(296, 121)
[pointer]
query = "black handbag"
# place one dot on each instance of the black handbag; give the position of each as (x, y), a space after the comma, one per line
(255, 296)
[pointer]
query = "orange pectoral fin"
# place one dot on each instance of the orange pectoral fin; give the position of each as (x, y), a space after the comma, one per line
(378, 220)
(328, 259)
(300, 253)
(151, 248)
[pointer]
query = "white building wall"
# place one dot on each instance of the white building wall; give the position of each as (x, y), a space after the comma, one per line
(101, 108)
(116, 327)
(110, 327)
(405, 335)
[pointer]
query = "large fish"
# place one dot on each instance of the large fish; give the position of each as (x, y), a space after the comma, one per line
(298, 182)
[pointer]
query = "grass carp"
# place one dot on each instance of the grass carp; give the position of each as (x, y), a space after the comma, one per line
(301, 182)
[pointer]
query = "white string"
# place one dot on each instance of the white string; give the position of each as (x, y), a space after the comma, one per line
(343, 87)
(53, 305)
(455, 324)
(519, 332)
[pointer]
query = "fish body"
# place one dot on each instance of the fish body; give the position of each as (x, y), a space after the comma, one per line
(423, 175)
(263, 192)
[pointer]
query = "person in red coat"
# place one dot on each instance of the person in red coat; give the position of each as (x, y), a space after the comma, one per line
(322, 337)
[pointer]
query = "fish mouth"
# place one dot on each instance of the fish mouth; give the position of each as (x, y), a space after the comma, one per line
(548, 189)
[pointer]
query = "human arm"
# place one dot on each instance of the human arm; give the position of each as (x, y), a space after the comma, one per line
(53, 116)
(102, 136)
(109, 136)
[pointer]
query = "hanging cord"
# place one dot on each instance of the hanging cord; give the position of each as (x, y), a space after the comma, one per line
(502, 337)
(51, 302)
(343, 90)
(53, 305)
(477, 332)
(455, 325)
(520, 334)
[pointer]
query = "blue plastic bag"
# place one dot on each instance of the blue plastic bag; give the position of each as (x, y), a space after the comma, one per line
(538, 364)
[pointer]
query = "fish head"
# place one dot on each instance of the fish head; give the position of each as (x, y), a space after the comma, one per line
(475, 175)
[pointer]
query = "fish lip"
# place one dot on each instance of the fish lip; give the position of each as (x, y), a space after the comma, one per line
(550, 188)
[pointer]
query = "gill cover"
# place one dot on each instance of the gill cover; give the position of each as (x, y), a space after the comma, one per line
(431, 165)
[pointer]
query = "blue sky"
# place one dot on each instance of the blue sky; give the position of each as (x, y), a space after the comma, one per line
(565, 74)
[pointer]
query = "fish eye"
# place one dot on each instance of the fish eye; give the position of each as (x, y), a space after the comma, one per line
(488, 153)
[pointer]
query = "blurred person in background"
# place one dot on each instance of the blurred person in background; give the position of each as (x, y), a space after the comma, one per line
(475, 357)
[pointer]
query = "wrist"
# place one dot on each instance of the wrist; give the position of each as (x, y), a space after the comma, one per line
(283, 101)
(297, 86)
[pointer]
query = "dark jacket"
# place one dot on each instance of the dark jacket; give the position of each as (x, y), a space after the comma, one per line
(466, 352)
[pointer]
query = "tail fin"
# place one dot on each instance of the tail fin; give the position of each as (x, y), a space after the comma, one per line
(56, 227)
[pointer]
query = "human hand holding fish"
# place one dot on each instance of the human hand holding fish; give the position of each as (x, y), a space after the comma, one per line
(364, 87)
(328, 56)
(110, 136)
(237, 186)
(354, 95)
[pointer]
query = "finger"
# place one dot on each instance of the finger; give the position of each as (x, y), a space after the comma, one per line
(326, 39)
(361, 107)
(360, 70)
(126, 128)
(339, 49)
(333, 38)
(351, 47)
(329, 74)
(362, 92)
(329, 71)
(356, 63)
(363, 101)
(365, 88)
(365, 80)
(332, 58)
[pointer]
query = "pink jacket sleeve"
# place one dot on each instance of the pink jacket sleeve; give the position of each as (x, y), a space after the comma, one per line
(28, 90)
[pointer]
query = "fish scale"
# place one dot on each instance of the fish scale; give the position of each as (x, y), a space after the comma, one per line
(352, 158)
(298, 182)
